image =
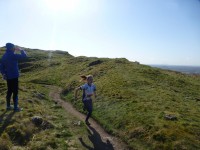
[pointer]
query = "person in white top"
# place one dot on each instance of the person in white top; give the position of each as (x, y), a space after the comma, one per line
(89, 89)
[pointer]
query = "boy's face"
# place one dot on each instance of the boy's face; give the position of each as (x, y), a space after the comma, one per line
(90, 80)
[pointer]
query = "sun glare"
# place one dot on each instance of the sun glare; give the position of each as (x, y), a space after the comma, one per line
(62, 5)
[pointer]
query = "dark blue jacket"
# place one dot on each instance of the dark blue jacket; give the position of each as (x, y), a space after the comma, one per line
(9, 64)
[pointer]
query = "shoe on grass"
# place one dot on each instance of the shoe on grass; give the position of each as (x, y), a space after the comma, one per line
(87, 123)
(9, 108)
(18, 109)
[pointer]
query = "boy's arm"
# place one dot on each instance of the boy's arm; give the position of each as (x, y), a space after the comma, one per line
(22, 55)
(75, 93)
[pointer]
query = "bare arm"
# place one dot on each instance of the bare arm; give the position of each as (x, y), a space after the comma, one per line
(75, 93)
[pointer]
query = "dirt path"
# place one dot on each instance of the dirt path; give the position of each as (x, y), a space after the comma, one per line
(101, 139)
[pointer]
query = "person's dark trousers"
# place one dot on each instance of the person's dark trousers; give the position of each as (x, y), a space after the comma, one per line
(88, 106)
(12, 85)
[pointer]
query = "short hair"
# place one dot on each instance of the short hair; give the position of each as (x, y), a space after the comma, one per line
(9, 46)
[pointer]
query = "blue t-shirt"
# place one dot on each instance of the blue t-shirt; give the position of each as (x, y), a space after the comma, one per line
(88, 91)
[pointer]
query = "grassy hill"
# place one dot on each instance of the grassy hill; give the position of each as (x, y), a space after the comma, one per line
(146, 107)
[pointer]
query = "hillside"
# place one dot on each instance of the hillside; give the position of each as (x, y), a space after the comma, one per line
(146, 107)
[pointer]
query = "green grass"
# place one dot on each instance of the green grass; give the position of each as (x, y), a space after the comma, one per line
(18, 130)
(135, 98)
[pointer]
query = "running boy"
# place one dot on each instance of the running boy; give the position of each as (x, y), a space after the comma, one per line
(89, 89)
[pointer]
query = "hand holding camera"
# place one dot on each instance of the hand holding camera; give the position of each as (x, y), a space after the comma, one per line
(17, 48)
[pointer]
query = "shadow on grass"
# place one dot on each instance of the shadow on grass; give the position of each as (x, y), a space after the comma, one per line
(6, 122)
(2, 116)
(95, 138)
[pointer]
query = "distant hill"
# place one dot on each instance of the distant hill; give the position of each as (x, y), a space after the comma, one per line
(183, 69)
(147, 107)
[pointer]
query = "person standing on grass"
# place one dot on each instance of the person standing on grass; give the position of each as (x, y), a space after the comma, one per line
(89, 89)
(10, 72)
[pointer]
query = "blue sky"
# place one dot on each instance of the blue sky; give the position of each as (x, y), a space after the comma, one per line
(148, 31)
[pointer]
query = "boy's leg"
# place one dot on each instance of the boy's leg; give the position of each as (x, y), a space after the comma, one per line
(9, 93)
(15, 93)
(84, 107)
(88, 105)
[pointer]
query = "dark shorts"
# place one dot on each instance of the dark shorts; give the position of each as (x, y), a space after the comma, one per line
(88, 105)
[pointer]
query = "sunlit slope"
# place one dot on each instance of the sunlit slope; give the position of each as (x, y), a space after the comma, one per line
(133, 100)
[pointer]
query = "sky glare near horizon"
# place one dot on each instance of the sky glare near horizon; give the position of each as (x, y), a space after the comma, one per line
(147, 31)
